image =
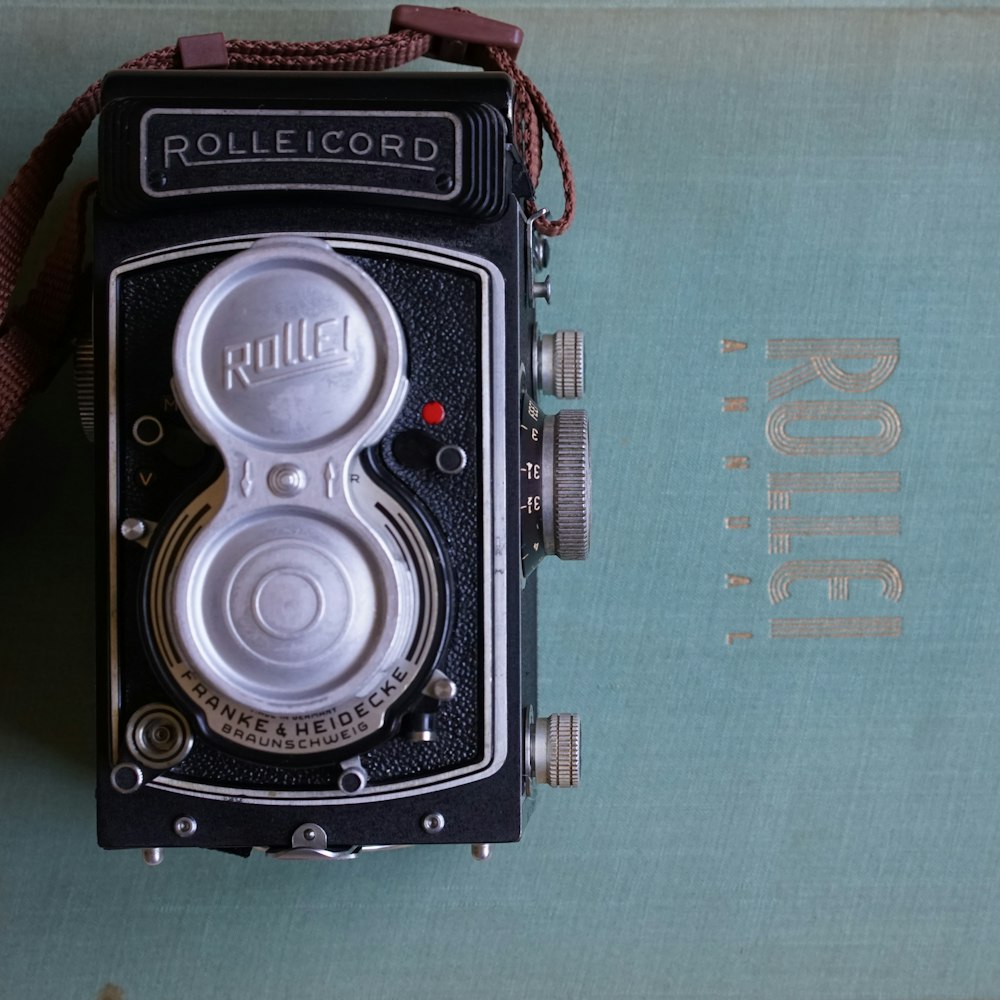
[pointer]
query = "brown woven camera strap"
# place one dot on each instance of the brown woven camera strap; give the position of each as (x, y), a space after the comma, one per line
(35, 339)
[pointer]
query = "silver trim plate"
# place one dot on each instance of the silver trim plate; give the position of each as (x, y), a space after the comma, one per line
(493, 484)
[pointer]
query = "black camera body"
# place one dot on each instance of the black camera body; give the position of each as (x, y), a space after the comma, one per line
(327, 479)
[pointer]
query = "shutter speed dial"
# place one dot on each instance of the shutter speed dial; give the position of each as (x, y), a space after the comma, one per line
(555, 484)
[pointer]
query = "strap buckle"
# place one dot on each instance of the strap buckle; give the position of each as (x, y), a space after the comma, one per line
(457, 36)
(203, 51)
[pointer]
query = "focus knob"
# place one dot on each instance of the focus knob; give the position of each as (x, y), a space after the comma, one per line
(559, 363)
(566, 480)
(83, 371)
(555, 749)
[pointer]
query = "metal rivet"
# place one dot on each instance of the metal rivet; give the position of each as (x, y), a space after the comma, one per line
(152, 855)
(133, 529)
(444, 689)
(185, 826)
(309, 834)
(433, 823)
(481, 852)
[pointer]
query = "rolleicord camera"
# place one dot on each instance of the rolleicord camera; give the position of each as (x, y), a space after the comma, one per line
(328, 478)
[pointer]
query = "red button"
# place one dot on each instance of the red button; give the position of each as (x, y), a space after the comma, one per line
(433, 413)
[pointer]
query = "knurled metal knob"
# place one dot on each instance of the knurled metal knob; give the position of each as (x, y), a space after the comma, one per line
(566, 485)
(559, 363)
(556, 750)
(83, 371)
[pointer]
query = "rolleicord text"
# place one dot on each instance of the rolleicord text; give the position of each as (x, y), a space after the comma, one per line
(249, 144)
(414, 153)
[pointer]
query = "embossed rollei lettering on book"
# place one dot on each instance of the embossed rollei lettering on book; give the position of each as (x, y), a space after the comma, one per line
(878, 359)
(833, 437)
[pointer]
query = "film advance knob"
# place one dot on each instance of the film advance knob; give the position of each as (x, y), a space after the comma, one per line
(556, 750)
(566, 485)
(559, 363)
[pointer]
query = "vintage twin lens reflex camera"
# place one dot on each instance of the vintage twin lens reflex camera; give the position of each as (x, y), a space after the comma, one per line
(328, 478)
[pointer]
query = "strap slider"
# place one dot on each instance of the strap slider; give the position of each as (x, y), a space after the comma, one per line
(203, 51)
(457, 36)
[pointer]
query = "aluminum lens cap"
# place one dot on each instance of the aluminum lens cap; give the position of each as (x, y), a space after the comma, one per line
(287, 346)
(286, 612)
(290, 598)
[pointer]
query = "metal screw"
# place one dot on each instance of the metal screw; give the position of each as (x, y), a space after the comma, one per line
(433, 823)
(185, 826)
(133, 529)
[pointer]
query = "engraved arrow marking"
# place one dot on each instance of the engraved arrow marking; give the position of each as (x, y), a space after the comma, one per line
(246, 483)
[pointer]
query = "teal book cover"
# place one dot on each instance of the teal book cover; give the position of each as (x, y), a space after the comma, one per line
(784, 643)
